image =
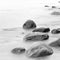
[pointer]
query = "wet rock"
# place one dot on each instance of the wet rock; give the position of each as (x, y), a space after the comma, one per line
(55, 43)
(44, 30)
(55, 31)
(30, 24)
(55, 13)
(39, 51)
(46, 6)
(36, 37)
(18, 50)
(53, 6)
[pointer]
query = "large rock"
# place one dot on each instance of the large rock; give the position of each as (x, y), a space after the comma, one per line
(36, 37)
(55, 31)
(55, 43)
(29, 24)
(44, 30)
(39, 51)
(18, 51)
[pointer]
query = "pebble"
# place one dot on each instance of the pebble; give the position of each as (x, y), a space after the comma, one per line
(55, 13)
(36, 37)
(53, 6)
(55, 31)
(29, 24)
(18, 50)
(39, 51)
(44, 30)
(55, 43)
(46, 6)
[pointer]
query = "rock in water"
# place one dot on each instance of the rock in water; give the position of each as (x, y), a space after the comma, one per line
(55, 13)
(36, 37)
(44, 30)
(53, 6)
(39, 51)
(55, 31)
(18, 50)
(55, 43)
(29, 24)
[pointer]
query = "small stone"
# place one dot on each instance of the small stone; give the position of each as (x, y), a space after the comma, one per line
(46, 6)
(39, 51)
(53, 6)
(44, 30)
(36, 37)
(55, 13)
(55, 31)
(30, 24)
(55, 43)
(18, 50)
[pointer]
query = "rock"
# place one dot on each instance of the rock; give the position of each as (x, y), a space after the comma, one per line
(55, 31)
(39, 51)
(55, 13)
(46, 6)
(55, 43)
(29, 24)
(18, 50)
(53, 6)
(44, 30)
(36, 37)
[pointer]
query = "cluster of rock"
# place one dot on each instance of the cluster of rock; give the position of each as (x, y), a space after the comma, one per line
(40, 50)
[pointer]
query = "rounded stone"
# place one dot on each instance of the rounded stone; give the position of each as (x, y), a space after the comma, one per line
(18, 50)
(36, 37)
(44, 30)
(29, 24)
(39, 51)
(55, 31)
(55, 43)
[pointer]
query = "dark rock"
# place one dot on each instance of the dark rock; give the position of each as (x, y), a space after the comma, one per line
(44, 30)
(55, 31)
(39, 51)
(36, 37)
(55, 43)
(29, 24)
(18, 50)
(55, 13)
(46, 6)
(53, 6)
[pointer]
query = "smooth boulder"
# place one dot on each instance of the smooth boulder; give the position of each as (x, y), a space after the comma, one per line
(39, 51)
(55, 43)
(18, 50)
(44, 30)
(36, 37)
(55, 31)
(29, 24)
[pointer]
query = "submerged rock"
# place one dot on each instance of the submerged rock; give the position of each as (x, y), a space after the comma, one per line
(46, 6)
(18, 50)
(36, 37)
(53, 6)
(55, 43)
(39, 51)
(55, 13)
(29, 24)
(44, 30)
(55, 31)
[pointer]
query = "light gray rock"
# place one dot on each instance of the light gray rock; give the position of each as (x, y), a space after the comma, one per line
(39, 51)
(55, 43)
